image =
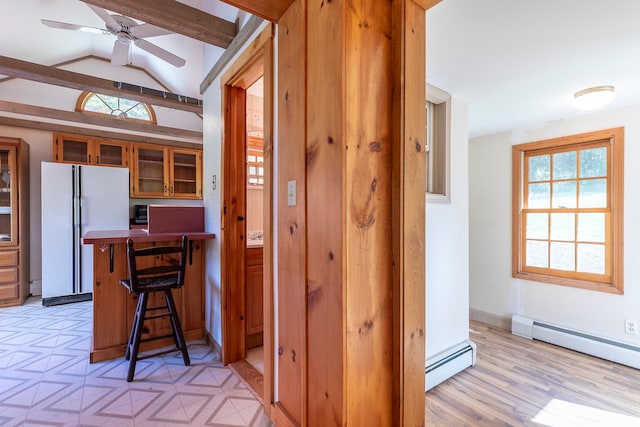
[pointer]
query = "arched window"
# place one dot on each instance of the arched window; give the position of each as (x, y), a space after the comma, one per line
(95, 103)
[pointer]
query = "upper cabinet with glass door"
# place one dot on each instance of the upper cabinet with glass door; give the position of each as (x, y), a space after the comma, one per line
(8, 196)
(186, 173)
(86, 150)
(166, 172)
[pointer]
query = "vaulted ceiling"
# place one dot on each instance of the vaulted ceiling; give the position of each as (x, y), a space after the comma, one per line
(514, 63)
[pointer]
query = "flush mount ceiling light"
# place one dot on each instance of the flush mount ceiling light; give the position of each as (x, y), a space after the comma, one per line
(594, 97)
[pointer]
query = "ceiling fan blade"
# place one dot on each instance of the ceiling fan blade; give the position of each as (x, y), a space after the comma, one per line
(65, 26)
(148, 30)
(120, 54)
(160, 52)
(105, 16)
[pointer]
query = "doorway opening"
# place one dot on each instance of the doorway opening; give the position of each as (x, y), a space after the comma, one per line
(247, 284)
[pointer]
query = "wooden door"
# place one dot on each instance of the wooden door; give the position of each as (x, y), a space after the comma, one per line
(234, 211)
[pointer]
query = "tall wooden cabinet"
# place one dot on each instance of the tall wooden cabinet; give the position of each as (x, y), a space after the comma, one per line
(254, 298)
(14, 221)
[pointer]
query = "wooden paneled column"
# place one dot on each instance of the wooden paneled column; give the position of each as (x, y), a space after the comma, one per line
(351, 214)
(408, 215)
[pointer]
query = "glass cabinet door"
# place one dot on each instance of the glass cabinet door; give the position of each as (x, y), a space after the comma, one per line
(8, 196)
(185, 173)
(112, 153)
(72, 150)
(150, 171)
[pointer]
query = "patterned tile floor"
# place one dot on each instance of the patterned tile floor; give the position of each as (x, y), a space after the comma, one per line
(46, 379)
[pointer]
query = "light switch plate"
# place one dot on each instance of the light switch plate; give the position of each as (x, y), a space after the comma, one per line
(291, 193)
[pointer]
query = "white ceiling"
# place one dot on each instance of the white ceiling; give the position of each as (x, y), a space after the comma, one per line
(517, 63)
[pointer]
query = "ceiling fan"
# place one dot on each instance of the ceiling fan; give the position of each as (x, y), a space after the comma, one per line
(127, 31)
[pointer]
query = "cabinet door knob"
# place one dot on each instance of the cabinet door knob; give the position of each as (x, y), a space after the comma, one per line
(240, 218)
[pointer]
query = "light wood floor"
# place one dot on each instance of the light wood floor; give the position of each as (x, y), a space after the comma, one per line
(520, 382)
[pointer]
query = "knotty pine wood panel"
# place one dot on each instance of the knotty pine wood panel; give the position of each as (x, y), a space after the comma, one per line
(268, 298)
(192, 316)
(409, 184)
(325, 159)
(292, 295)
(367, 202)
(110, 299)
(515, 379)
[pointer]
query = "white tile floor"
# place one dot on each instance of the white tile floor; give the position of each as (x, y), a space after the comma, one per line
(46, 379)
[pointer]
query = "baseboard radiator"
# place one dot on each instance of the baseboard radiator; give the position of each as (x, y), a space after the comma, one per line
(448, 363)
(615, 351)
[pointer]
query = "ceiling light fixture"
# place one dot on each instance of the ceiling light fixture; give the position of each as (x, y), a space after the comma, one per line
(594, 97)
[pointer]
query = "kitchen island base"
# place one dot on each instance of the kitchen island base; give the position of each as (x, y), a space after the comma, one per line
(114, 307)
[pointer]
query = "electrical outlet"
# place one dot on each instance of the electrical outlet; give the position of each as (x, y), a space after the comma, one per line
(631, 327)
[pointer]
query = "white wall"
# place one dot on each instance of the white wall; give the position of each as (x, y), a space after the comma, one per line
(493, 290)
(212, 142)
(447, 257)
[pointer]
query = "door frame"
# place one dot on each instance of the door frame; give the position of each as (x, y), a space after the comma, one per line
(257, 60)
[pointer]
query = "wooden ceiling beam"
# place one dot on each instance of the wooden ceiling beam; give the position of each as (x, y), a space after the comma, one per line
(55, 76)
(97, 120)
(177, 17)
(271, 10)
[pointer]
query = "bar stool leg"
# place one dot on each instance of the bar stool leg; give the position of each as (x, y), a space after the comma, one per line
(132, 334)
(136, 332)
(177, 329)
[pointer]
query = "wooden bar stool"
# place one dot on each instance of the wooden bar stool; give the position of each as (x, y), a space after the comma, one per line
(165, 274)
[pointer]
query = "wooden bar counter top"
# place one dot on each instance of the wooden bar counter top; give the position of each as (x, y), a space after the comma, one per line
(114, 306)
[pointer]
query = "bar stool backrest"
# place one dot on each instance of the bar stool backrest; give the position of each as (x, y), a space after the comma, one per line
(160, 275)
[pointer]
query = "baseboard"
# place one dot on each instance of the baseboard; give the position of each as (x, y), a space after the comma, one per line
(66, 299)
(448, 363)
(35, 287)
(490, 319)
(211, 342)
(604, 348)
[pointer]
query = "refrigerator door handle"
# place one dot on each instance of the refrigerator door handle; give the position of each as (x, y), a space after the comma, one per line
(74, 278)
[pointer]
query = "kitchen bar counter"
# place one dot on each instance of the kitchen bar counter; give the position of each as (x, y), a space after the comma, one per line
(114, 306)
(139, 235)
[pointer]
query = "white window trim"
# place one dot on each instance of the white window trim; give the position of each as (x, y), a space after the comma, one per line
(439, 96)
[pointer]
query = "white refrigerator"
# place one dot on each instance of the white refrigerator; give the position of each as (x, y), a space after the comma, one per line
(77, 199)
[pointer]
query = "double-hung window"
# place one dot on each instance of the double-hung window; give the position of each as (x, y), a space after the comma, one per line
(568, 210)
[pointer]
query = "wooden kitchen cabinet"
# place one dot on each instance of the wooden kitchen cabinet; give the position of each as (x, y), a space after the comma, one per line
(85, 150)
(166, 172)
(14, 221)
(114, 306)
(254, 299)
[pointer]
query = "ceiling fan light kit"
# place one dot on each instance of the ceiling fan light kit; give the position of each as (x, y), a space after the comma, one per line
(126, 31)
(594, 97)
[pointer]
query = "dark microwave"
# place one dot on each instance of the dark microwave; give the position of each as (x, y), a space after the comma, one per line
(140, 214)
